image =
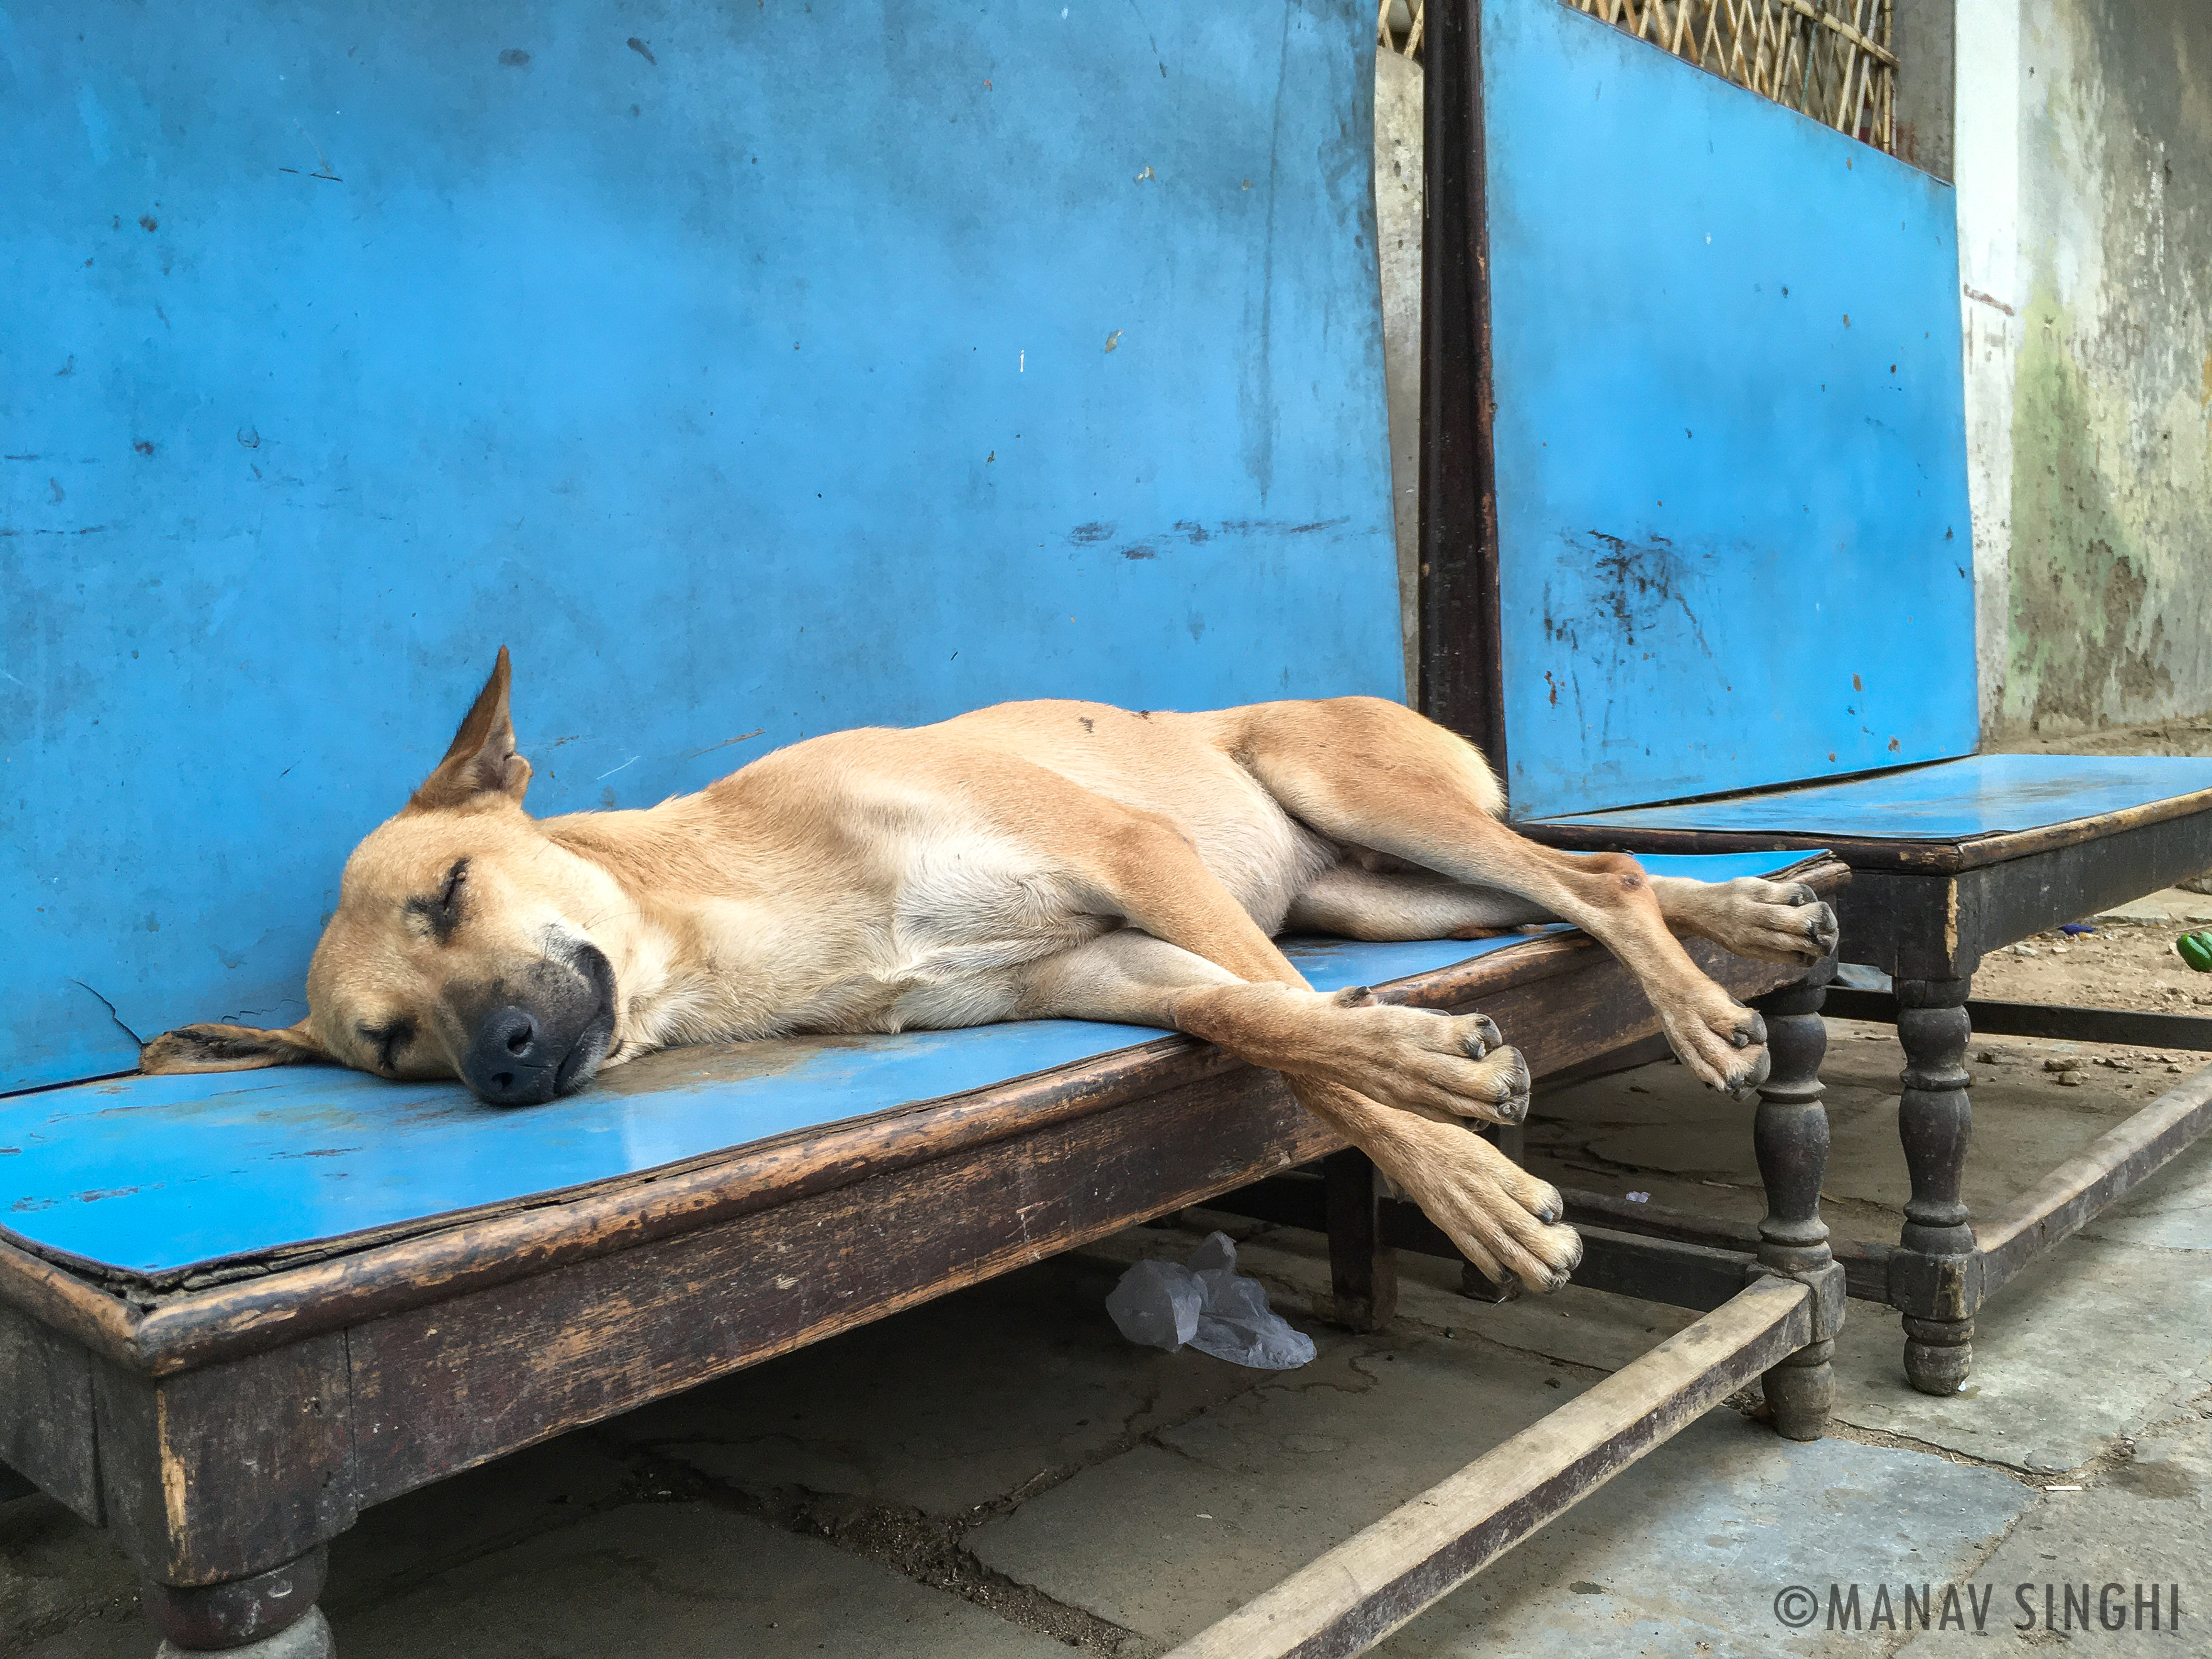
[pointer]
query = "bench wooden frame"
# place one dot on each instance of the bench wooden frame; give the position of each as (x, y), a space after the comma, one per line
(1927, 913)
(226, 1433)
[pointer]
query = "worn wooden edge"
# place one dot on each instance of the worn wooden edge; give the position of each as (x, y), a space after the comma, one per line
(1915, 857)
(58, 1300)
(1351, 1598)
(2072, 1194)
(657, 1321)
(445, 1257)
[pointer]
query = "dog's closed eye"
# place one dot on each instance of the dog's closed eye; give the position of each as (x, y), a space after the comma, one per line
(389, 1041)
(443, 914)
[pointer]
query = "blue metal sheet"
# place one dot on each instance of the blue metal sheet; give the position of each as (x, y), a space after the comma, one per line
(157, 1173)
(1952, 801)
(1731, 440)
(752, 372)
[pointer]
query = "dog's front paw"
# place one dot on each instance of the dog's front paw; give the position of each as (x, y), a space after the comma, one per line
(1722, 1042)
(1771, 921)
(1425, 1062)
(1505, 1220)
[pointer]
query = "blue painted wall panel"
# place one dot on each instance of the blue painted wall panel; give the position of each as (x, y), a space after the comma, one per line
(1730, 438)
(752, 372)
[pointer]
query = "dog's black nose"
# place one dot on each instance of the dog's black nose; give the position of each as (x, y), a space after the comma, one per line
(510, 1063)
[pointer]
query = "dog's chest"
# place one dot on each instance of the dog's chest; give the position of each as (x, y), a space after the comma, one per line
(922, 933)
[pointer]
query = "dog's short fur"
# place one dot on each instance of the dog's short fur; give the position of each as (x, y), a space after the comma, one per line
(1032, 860)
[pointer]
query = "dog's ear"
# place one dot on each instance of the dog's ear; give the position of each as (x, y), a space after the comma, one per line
(230, 1048)
(481, 761)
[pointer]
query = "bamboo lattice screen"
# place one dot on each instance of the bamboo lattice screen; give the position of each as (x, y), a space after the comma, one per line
(1830, 59)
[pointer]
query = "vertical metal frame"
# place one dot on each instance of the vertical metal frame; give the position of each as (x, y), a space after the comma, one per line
(1462, 658)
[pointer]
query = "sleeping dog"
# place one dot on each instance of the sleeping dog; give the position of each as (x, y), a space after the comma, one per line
(1034, 861)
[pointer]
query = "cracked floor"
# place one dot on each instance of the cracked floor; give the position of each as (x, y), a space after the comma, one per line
(998, 1474)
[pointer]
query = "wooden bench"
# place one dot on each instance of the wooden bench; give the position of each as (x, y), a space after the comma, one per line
(237, 1309)
(1951, 861)
(1701, 573)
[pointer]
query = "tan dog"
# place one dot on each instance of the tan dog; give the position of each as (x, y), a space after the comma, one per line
(1030, 861)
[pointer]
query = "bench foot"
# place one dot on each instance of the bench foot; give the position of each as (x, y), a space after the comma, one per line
(1935, 1120)
(1362, 1270)
(1799, 1392)
(1938, 1353)
(270, 1615)
(1791, 1137)
(309, 1638)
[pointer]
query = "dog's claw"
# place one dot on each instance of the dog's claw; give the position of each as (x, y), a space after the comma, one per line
(1748, 1080)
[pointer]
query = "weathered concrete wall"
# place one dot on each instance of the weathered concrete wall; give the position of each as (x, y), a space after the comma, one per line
(1923, 33)
(2084, 161)
(1398, 199)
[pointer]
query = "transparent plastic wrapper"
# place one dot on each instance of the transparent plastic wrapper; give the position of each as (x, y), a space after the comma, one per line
(1203, 1301)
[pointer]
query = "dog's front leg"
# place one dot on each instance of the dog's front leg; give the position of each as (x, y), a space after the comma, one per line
(1411, 1058)
(1399, 1083)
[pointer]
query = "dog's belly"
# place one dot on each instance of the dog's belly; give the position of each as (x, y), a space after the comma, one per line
(1168, 765)
(974, 909)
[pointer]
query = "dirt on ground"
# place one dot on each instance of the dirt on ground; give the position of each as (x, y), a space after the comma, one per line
(2123, 964)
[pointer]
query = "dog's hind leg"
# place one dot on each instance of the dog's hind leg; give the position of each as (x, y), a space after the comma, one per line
(1436, 1071)
(1374, 775)
(1766, 920)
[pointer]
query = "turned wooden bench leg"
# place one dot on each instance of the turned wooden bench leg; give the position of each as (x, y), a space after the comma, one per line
(1930, 1278)
(1363, 1269)
(1790, 1138)
(270, 1615)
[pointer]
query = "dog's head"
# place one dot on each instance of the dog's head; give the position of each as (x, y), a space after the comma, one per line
(462, 945)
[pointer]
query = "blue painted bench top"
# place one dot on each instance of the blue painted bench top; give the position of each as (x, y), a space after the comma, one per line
(1950, 801)
(152, 1174)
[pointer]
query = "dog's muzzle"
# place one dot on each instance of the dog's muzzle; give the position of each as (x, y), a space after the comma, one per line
(545, 1037)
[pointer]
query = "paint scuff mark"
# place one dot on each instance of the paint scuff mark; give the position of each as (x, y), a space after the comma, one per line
(742, 737)
(1114, 339)
(640, 48)
(1639, 582)
(1088, 534)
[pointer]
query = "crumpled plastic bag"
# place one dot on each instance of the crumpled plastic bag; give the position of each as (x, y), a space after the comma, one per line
(1203, 1301)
